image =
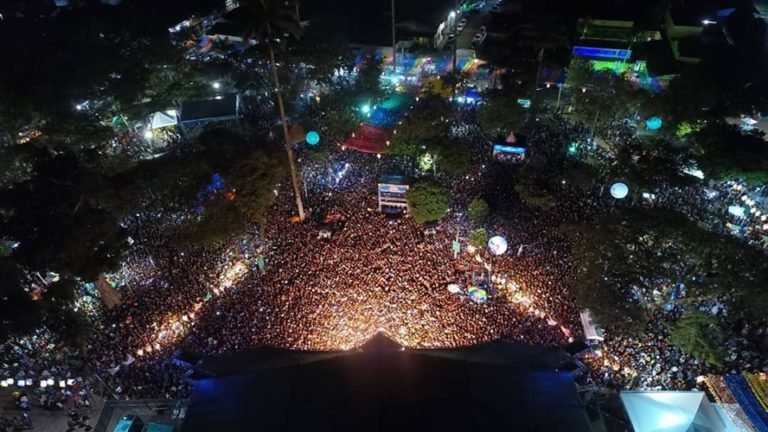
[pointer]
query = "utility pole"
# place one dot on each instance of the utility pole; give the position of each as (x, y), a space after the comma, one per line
(394, 40)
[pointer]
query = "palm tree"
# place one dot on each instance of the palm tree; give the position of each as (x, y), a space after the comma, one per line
(268, 21)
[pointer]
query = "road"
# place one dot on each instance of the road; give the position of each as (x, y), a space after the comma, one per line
(474, 21)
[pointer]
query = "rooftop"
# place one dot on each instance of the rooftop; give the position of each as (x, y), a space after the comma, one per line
(380, 387)
(226, 106)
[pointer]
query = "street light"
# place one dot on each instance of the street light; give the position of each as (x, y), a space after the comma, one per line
(452, 14)
(216, 85)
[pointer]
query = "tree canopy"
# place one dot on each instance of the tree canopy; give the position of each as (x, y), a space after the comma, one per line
(478, 238)
(478, 210)
(427, 201)
(725, 153)
(535, 196)
(629, 260)
(699, 335)
(424, 129)
(501, 114)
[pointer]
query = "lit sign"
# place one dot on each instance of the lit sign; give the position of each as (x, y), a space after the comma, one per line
(399, 189)
(607, 53)
(507, 149)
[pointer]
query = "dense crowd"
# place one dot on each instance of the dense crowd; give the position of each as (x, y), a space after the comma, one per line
(284, 286)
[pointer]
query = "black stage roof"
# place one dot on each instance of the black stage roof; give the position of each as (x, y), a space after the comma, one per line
(220, 108)
(491, 387)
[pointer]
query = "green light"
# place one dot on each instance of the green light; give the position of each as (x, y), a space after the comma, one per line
(365, 109)
(573, 149)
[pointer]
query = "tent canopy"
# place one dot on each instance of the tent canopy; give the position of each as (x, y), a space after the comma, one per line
(163, 119)
(591, 331)
(671, 411)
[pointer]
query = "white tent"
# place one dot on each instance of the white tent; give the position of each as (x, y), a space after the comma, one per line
(591, 331)
(672, 411)
(163, 119)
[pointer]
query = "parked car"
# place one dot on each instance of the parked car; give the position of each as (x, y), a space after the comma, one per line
(483, 30)
(459, 27)
(478, 39)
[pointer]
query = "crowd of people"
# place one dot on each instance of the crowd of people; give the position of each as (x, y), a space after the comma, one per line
(283, 285)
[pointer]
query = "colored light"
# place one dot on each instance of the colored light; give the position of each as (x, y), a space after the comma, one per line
(365, 109)
(312, 138)
(497, 245)
(653, 123)
(619, 190)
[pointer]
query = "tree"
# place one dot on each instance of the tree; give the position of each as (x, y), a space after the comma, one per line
(649, 164)
(699, 335)
(478, 210)
(725, 153)
(628, 259)
(255, 181)
(451, 156)
(478, 238)
(63, 229)
(438, 87)
(18, 312)
(335, 116)
(269, 20)
(427, 201)
(368, 82)
(423, 130)
(534, 196)
(606, 98)
(221, 220)
(580, 74)
(501, 115)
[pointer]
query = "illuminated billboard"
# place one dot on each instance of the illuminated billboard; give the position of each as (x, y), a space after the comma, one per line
(603, 53)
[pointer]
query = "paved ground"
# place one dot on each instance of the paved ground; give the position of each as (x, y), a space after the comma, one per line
(474, 22)
(150, 411)
(47, 421)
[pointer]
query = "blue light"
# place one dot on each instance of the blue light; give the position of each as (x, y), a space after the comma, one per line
(653, 123)
(606, 53)
(497, 148)
(312, 138)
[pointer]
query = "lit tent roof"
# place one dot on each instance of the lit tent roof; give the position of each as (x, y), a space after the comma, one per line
(671, 411)
(162, 119)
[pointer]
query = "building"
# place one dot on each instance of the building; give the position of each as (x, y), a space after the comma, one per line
(673, 42)
(380, 386)
(391, 192)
